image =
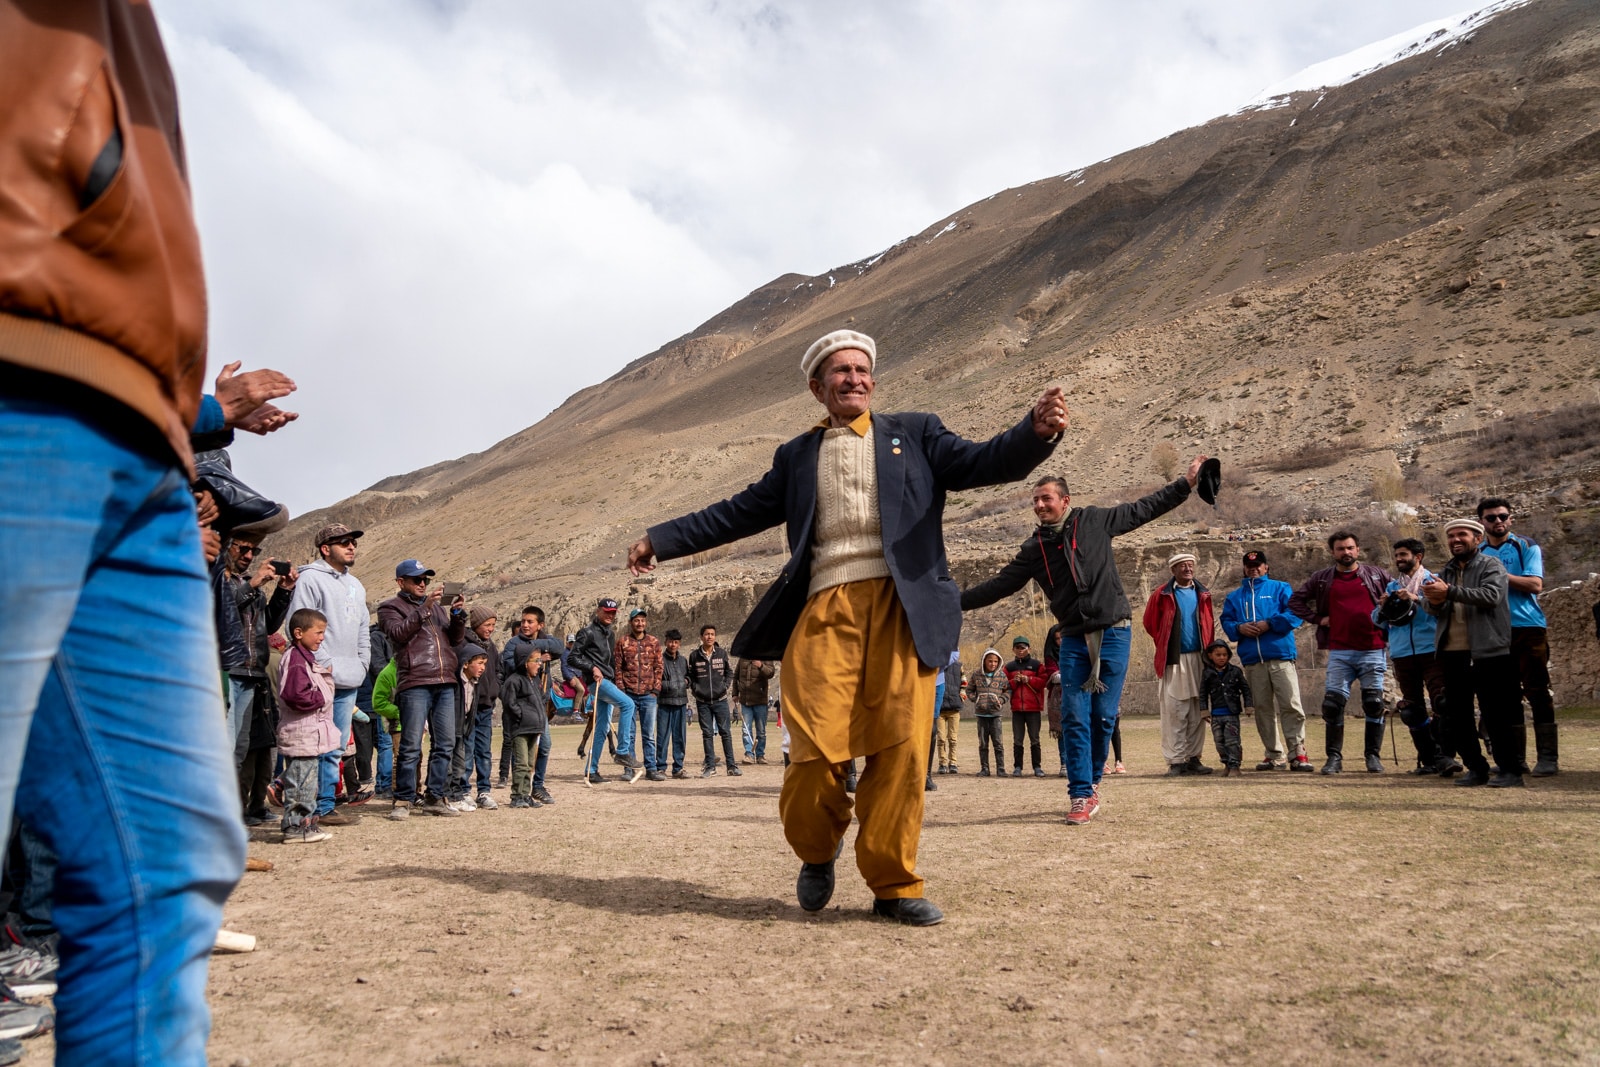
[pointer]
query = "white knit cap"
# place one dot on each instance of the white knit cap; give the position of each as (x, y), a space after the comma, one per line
(837, 341)
(1465, 524)
(1179, 557)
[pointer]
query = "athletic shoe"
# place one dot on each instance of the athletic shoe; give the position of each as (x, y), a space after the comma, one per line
(1094, 802)
(1196, 767)
(19, 1020)
(627, 760)
(309, 833)
(339, 818)
(10, 1052)
(434, 805)
(594, 778)
(734, 772)
(401, 811)
(542, 795)
(709, 772)
(654, 775)
(486, 802)
(501, 782)
(275, 793)
(519, 802)
(953, 769)
(28, 971)
(761, 760)
(361, 797)
(253, 820)
(680, 773)
(1119, 768)
(1079, 814)
(1016, 772)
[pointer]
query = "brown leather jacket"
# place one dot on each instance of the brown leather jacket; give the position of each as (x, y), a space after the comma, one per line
(100, 278)
(423, 641)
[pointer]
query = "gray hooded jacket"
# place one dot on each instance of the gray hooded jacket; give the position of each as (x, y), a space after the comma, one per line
(1480, 583)
(343, 599)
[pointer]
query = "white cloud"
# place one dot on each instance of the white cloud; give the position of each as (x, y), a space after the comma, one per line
(442, 218)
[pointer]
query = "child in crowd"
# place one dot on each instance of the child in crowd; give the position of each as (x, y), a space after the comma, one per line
(990, 693)
(1227, 694)
(527, 717)
(305, 724)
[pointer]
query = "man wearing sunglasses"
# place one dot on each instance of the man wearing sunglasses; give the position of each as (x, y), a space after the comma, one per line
(246, 613)
(327, 585)
(1530, 648)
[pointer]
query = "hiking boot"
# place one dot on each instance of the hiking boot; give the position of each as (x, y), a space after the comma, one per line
(18, 1020)
(1078, 814)
(734, 771)
(437, 806)
(761, 761)
(913, 911)
(594, 778)
(401, 810)
(654, 776)
(542, 795)
(339, 818)
(1300, 763)
(486, 802)
(710, 771)
(1506, 781)
(748, 759)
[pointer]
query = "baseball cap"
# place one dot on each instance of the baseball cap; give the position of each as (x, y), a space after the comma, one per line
(636, 612)
(1020, 640)
(1255, 557)
(608, 604)
(334, 531)
(412, 568)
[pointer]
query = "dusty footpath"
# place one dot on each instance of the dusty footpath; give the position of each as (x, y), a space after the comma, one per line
(1273, 918)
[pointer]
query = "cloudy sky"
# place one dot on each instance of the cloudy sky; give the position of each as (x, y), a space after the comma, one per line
(442, 217)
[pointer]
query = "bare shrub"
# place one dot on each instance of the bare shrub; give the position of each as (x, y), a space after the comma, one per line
(1307, 457)
(1527, 446)
(1165, 459)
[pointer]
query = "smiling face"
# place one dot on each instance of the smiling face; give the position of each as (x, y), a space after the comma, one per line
(1050, 504)
(485, 629)
(1183, 572)
(843, 385)
(1462, 541)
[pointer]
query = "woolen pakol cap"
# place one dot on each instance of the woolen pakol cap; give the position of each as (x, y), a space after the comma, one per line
(1464, 524)
(1180, 557)
(838, 341)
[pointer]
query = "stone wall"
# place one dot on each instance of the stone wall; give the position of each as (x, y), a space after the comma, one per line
(1574, 649)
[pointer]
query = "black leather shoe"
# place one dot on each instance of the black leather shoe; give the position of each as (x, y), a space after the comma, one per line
(1472, 778)
(814, 887)
(913, 911)
(1504, 781)
(1335, 765)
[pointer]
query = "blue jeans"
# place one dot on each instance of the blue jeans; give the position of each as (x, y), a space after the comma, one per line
(606, 697)
(113, 739)
(645, 707)
(1087, 719)
(755, 729)
(672, 722)
(1346, 665)
(344, 707)
(384, 744)
(436, 706)
(241, 701)
(479, 756)
(543, 761)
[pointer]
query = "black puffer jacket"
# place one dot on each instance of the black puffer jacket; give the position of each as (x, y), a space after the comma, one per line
(1076, 567)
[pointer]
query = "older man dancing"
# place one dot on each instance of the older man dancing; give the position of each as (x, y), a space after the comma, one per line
(864, 613)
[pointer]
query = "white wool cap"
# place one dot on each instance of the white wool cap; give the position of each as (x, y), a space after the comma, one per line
(1179, 557)
(837, 341)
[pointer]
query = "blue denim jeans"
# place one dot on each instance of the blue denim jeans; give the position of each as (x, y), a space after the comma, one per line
(479, 756)
(436, 706)
(344, 708)
(113, 740)
(606, 697)
(1087, 719)
(1346, 665)
(241, 701)
(543, 762)
(672, 724)
(645, 710)
(755, 729)
(384, 745)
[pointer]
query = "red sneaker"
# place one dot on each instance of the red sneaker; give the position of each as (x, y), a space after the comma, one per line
(1079, 814)
(1094, 802)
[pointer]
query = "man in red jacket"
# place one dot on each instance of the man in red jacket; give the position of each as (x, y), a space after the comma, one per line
(1178, 618)
(1029, 679)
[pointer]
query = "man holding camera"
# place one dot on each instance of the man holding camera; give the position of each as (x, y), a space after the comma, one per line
(327, 585)
(245, 616)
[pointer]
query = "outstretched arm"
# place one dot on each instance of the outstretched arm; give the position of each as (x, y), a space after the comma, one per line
(1012, 577)
(760, 506)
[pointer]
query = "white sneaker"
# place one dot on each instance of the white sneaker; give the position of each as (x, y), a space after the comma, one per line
(462, 805)
(486, 802)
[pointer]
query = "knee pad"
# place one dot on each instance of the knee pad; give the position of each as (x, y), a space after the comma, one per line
(1333, 706)
(1412, 715)
(1372, 706)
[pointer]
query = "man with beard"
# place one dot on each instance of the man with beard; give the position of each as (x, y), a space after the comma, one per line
(1469, 598)
(593, 653)
(1410, 631)
(1340, 599)
(1530, 645)
(1256, 616)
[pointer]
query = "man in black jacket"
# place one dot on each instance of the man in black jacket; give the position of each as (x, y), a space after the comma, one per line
(245, 616)
(1071, 558)
(672, 705)
(592, 654)
(710, 675)
(864, 612)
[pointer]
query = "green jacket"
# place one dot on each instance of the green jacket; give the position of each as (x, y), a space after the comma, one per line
(383, 693)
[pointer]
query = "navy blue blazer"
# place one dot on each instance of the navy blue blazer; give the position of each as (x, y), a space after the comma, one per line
(919, 460)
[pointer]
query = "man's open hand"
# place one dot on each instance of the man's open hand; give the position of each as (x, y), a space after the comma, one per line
(265, 419)
(1050, 415)
(241, 394)
(1194, 470)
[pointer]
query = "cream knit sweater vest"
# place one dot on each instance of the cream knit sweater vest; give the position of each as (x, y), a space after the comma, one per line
(848, 545)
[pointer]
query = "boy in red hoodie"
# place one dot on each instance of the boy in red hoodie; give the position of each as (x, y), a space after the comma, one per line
(305, 725)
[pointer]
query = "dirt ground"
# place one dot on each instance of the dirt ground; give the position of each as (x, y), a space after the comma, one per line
(1273, 918)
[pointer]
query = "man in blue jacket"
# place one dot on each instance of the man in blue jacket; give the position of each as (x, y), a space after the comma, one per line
(864, 613)
(1411, 633)
(1257, 618)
